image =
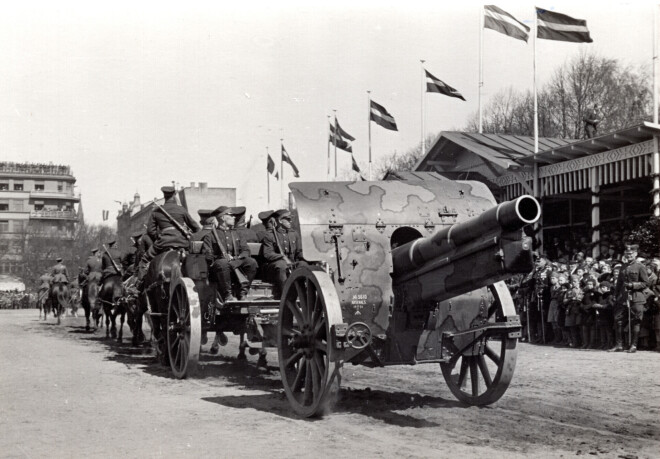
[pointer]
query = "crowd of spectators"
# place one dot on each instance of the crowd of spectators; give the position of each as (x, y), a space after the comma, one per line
(34, 168)
(16, 300)
(570, 297)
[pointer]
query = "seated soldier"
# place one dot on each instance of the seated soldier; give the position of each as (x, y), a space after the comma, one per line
(282, 250)
(228, 255)
(268, 222)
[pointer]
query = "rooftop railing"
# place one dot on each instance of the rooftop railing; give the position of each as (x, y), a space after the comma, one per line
(54, 214)
(34, 168)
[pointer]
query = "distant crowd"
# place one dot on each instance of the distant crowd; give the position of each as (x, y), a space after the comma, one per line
(35, 168)
(16, 300)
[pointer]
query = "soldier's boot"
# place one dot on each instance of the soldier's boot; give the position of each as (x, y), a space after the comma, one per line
(585, 336)
(634, 338)
(618, 337)
(566, 337)
(262, 361)
(593, 338)
(556, 333)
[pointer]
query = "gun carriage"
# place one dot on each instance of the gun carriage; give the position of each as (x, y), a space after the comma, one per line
(401, 272)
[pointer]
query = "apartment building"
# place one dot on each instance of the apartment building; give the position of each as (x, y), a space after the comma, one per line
(34, 198)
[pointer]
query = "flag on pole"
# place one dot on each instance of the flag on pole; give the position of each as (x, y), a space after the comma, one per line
(382, 117)
(435, 85)
(287, 159)
(502, 22)
(271, 168)
(356, 168)
(557, 26)
(341, 139)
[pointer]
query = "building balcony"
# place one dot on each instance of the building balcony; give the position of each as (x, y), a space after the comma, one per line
(64, 195)
(54, 214)
(17, 169)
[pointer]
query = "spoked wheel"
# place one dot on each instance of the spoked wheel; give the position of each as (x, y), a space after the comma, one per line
(184, 328)
(308, 367)
(482, 373)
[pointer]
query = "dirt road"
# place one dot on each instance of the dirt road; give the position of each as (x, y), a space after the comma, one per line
(65, 392)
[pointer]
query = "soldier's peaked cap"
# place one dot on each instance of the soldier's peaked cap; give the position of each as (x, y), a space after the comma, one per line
(167, 189)
(240, 210)
(282, 213)
(137, 234)
(205, 213)
(112, 241)
(222, 210)
(632, 248)
(95, 249)
(265, 215)
(58, 259)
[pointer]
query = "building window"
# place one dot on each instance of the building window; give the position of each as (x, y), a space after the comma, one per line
(39, 187)
(18, 187)
(4, 186)
(4, 207)
(60, 186)
(4, 226)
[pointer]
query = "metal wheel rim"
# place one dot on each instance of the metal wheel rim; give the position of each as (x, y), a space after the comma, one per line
(183, 329)
(308, 309)
(486, 386)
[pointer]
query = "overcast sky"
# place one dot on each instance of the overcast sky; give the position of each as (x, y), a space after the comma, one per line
(134, 95)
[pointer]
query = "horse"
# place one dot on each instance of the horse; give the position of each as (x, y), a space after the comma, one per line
(135, 309)
(60, 298)
(43, 301)
(111, 297)
(89, 298)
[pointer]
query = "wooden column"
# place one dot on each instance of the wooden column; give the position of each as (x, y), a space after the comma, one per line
(595, 211)
(656, 176)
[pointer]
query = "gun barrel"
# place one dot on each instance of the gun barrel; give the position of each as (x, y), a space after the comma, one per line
(468, 255)
(505, 217)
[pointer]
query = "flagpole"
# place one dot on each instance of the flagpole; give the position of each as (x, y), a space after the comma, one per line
(282, 170)
(369, 124)
(336, 134)
(328, 140)
(656, 140)
(423, 81)
(481, 64)
(268, 176)
(536, 118)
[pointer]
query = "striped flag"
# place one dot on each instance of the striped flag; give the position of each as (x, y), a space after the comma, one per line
(381, 117)
(435, 85)
(502, 22)
(557, 26)
(341, 139)
(271, 168)
(287, 159)
(356, 168)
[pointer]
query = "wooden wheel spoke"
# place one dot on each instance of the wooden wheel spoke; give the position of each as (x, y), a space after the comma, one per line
(302, 298)
(492, 355)
(319, 361)
(463, 372)
(484, 371)
(474, 376)
(290, 331)
(299, 379)
(321, 346)
(316, 379)
(311, 302)
(294, 358)
(308, 383)
(319, 325)
(296, 312)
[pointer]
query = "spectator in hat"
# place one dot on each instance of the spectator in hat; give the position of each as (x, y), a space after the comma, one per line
(282, 249)
(573, 301)
(553, 307)
(631, 283)
(603, 314)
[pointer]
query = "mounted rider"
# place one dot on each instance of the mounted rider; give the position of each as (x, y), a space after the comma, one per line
(110, 261)
(59, 272)
(167, 228)
(92, 265)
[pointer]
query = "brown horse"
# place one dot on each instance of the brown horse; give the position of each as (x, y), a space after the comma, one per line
(89, 298)
(43, 301)
(111, 297)
(60, 298)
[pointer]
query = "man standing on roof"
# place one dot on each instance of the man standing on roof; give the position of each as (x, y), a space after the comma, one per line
(591, 120)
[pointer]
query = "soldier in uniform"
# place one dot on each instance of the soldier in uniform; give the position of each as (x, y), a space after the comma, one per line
(208, 222)
(109, 259)
(268, 221)
(44, 290)
(282, 251)
(591, 120)
(92, 266)
(59, 272)
(128, 264)
(163, 232)
(237, 255)
(630, 285)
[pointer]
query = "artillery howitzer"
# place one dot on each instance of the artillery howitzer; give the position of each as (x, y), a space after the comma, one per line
(414, 273)
(401, 272)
